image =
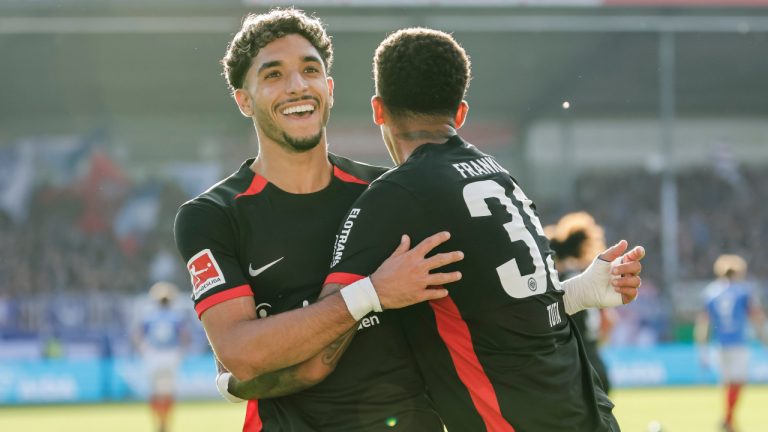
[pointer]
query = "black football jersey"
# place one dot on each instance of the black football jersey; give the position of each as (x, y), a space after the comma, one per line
(247, 237)
(499, 353)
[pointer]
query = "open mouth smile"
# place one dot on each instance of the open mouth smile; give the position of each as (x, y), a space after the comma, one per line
(299, 111)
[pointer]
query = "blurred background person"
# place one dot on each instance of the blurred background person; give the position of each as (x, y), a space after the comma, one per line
(160, 339)
(576, 240)
(729, 305)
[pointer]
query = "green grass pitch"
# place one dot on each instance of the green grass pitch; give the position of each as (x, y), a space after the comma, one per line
(687, 409)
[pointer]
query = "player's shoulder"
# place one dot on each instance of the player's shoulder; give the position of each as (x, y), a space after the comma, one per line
(218, 199)
(745, 289)
(714, 289)
(346, 168)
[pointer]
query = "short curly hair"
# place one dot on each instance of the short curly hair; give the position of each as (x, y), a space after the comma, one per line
(578, 236)
(421, 71)
(259, 30)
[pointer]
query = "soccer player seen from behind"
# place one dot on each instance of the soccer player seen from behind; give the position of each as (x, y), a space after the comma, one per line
(500, 352)
(729, 305)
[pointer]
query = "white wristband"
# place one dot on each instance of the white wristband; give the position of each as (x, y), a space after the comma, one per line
(222, 384)
(592, 288)
(361, 298)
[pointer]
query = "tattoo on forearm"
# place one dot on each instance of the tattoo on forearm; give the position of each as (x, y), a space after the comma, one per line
(332, 353)
(272, 384)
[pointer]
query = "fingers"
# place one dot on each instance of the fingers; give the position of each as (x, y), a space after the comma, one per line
(434, 293)
(636, 254)
(627, 294)
(443, 278)
(405, 244)
(629, 281)
(630, 268)
(442, 259)
(627, 286)
(431, 242)
(614, 251)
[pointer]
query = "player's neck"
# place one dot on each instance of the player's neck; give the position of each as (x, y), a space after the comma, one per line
(297, 173)
(409, 136)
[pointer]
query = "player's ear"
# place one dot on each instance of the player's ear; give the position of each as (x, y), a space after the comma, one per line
(461, 114)
(329, 80)
(377, 104)
(243, 100)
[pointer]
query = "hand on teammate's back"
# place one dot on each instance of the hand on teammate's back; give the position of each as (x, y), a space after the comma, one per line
(405, 279)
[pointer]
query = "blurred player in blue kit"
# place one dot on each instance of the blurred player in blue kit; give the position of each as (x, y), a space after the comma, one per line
(160, 339)
(729, 306)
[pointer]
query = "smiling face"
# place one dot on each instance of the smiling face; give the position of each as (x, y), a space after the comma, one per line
(288, 94)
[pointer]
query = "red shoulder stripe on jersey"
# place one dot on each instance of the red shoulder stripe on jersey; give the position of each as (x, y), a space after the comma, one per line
(257, 185)
(220, 297)
(342, 278)
(349, 178)
(252, 418)
(455, 334)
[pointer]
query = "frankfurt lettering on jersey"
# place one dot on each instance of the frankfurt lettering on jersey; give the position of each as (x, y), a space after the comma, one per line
(341, 238)
(478, 167)
(205, 272)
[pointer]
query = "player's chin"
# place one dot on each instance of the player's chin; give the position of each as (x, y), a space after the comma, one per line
(302, 144)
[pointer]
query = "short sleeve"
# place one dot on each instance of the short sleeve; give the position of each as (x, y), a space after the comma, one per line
(372, 229)
(206, 241)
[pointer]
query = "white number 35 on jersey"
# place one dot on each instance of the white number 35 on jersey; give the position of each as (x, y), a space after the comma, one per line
(515, 284)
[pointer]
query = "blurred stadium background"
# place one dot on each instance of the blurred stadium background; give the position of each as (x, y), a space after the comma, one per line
(650, 114)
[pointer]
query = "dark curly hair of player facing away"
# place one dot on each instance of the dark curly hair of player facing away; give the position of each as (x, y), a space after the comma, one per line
(421, 71)
(258, 30)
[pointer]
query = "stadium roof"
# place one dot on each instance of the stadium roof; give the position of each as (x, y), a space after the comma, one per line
(114, 59)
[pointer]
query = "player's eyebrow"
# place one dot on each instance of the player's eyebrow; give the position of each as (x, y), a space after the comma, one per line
(269, 64)
(275, 63)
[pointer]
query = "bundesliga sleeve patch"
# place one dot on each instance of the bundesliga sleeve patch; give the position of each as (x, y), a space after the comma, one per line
(205, 272)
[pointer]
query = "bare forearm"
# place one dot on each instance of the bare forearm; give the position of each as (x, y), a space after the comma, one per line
(299, 377)
(321, 365)
(273, 384)
(701, 329)
(259, 346)
(294, 378)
